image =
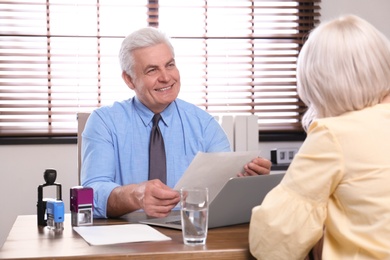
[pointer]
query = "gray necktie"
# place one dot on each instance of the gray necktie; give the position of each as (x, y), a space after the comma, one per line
(157, 159)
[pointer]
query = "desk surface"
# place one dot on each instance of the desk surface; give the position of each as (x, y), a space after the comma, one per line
(27, 240)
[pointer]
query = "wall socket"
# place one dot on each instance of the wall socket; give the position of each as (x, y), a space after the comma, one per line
(283, 155)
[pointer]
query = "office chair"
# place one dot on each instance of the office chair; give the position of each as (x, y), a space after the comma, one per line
(81, 120)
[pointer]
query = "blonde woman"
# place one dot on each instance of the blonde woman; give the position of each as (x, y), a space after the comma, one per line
(338, 185)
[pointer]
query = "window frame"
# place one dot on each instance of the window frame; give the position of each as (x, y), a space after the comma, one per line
(264, 135)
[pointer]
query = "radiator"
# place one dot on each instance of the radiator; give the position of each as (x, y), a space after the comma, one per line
(242, 131)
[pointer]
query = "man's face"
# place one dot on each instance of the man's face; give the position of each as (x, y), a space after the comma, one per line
(157, 79)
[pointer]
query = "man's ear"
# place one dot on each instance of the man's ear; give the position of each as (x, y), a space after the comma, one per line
(128, 80)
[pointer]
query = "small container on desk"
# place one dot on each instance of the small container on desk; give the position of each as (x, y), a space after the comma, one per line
(55, 215)
(81, 205)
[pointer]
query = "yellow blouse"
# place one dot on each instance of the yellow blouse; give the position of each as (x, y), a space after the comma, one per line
(340, 180)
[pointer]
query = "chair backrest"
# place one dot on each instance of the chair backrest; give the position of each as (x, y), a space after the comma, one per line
(81, 120)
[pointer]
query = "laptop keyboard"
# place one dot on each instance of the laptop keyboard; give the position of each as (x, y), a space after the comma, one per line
(175, 222)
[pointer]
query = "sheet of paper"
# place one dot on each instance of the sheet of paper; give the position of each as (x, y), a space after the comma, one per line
(213, 170)
(115, 234)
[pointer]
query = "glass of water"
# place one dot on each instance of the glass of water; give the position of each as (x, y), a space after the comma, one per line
(194, 215)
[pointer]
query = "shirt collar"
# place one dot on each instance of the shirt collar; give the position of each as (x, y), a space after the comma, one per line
(146, 114)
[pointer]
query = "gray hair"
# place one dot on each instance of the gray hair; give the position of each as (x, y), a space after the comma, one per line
(145, 37)
(343, 66)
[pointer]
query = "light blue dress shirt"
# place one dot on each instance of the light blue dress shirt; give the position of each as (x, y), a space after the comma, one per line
(115, 147)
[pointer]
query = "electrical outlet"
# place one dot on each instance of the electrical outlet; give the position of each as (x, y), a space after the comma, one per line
(283, 155)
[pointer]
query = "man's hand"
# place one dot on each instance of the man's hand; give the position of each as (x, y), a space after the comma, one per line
(156, 199)
(258, 166)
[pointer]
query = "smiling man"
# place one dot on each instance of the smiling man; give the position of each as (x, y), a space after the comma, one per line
(116, 138)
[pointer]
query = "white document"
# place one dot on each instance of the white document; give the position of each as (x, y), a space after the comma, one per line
(115, 234)
(213, 170)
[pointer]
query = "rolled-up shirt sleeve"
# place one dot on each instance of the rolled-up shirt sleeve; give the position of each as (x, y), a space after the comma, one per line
(98, 165)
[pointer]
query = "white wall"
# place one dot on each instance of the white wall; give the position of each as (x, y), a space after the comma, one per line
(376, 12)
(21, 172)
(22, 166)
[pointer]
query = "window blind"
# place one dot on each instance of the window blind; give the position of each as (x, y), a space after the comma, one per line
(60, 57)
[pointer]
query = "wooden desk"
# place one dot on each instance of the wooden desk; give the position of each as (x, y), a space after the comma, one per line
(27, 240)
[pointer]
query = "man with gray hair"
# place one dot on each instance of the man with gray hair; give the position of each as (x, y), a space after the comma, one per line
(117, 162)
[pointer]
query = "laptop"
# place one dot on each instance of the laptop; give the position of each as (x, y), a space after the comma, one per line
(231, 205)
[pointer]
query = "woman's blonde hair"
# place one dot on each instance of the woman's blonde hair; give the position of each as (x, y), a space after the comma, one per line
(343, 66)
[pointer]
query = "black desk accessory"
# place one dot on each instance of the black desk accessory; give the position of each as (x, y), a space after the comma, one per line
(50, 176)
